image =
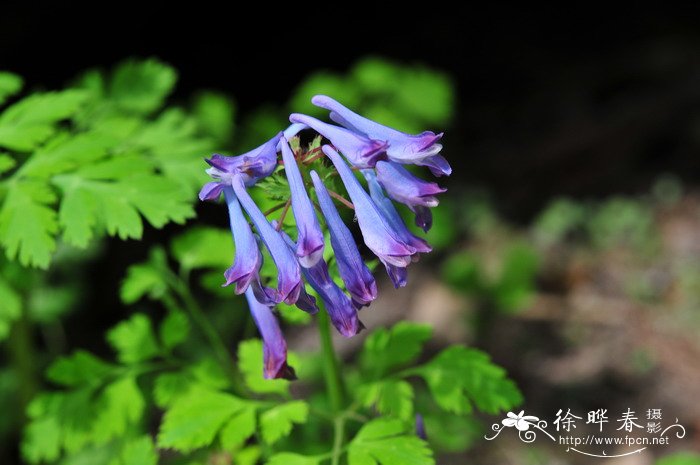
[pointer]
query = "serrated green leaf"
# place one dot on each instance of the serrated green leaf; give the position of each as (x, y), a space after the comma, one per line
(248, 456)
(31, 121)
(214, 113)
(195, 419)
(174, 329)
(238, 429)
(80, 368)
(203, 247)
(139, 451)
(208, 373)
(42, 440)
(389, 397)
(6, 163)
(10, 84)
(459, 377)
(288, 458)
(120, 406)
(145, 279)
(384, 441)
(250, 362)
(10, 309)
(28, 223)
(169, 386)
(386, 349)
(133, 339)
(66, 153)
(277, 422)
(141, 86)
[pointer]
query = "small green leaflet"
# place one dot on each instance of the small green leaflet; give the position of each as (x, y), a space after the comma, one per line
(139, 451)
(141, 86)
(288, 458)
(277, 422)
(31, 121)
(145, 279)
(459, 377)
(80, 368)
(133, 339)
(389, 397)
(10, 84)
(385, 442)
(203, 247)
(238, 429)
(174, 329)
(195, 419)
(386, 349)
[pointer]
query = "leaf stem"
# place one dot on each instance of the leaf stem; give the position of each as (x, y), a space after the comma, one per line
(338, 439)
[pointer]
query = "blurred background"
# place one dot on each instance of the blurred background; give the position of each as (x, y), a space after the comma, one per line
(568, 244)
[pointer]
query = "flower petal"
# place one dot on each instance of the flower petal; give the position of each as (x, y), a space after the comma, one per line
(310, 238)
(211, 191)
(274, 345)
(288, 273)
(376, 231)
(402, 186)
(248, 259)
(361, 151)
(357, 277)
(403, 148)
(252, 166)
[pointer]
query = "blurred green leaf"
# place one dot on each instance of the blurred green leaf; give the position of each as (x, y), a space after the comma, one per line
(174, 329)
(515, 286)
(385, 442)
(288, 458)
(139, 451)
(560, 217)
(119, 407)
(80, 368)
(680, 458)
(325, 83)
(277, 422)
(387, 349)
(238, 429)
(133, 339)
(459, 377)
(10, 84)
(203, 247)
(214, 113)
(145, 279)
(10, 309)
(141, 86)
(194, 420)
(389, 397)
(32, 120)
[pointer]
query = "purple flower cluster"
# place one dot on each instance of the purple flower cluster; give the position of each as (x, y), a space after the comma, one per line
(379, 153)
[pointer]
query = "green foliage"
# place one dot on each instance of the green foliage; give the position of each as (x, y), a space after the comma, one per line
(386, 442)
(98, 159)
(10, 84)
(460, 377)
(388, 349)
(680, 458)
(277, 422)
(11, 308)
(250, 362)
(134, 339)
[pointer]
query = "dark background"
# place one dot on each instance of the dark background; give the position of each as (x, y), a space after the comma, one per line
(582, 102)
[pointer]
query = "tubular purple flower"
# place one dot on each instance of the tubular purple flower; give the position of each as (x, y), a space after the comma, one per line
(420, 427)
(359, 150)
(248, 259)
(424, 217)
(392, 216)
(357, 277)
(252, 166)
(274, 345)
(310, 238)
(406, 188)
(211, 190)
(339, 306)
(420, 149)
(376, 231)
(288, 273)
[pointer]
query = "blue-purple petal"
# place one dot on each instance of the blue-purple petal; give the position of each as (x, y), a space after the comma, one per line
(357, 277)
(359, 150)
(376, 232)
(288, 273)
(274, 345)
(402, 186)
(310, 237)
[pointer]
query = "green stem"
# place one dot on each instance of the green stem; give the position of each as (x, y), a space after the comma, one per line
(331, 369)
(23, 357)
(210, 333)
(338, 440)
